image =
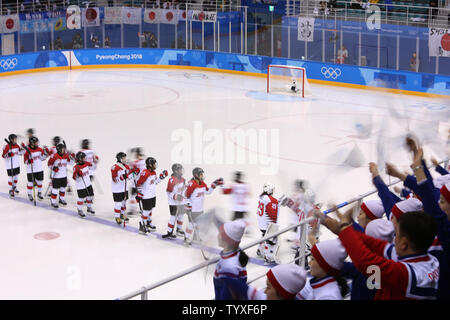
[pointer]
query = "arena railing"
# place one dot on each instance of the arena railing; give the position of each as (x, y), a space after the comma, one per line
(143, 292)
(415, 15)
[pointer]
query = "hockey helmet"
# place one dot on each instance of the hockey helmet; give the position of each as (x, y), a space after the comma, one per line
(11, 137)
(198, 173)
(238, 176)
(60, 148)
(120, 156)
(56, 140)
(80, 156)
(177, 169)
(268, 188)
(85, 144)
(33, 140)
(151, 163)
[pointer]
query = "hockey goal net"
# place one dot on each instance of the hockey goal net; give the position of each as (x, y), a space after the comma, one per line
(287, 79)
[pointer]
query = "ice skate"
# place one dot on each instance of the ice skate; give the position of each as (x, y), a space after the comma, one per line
(40, 197)
(30, 197)
(150, 226)
(91, 210)
(55, 205)
(11, 193)
(180, 233)
(169, 235)
(62, 202)
(81, 213)
(119, 221)
(142, 228)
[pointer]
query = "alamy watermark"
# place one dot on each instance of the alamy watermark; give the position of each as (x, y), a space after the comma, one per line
(199, 146)
(373, 17)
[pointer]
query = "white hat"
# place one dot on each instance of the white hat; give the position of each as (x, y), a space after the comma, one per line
(441, 181)
(287, 279)
(381, 229)
(373, 209)
(233, 231)
(330, 254)
(408, 205)
(445, 191)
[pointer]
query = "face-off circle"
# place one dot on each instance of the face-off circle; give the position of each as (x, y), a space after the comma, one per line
(46, 235)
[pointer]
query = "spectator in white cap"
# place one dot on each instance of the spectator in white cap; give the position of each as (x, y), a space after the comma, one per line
(370, 210)
(326, 260)
(230, 273)
(381, 229)
(283, 282)
(401, 207)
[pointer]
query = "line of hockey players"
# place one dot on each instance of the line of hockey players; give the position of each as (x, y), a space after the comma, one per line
(59, 158)
(139, 175)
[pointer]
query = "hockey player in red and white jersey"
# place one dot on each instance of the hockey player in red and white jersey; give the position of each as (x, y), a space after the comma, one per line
(35, 171)
(83, 184)
(239, 191)
(146, 186)
(11, 153)
(136, 166)
(91, 157)
(267, 217)
(58, 163)
(50, 152)
(175, 190)
(120, 174)
(195, 193)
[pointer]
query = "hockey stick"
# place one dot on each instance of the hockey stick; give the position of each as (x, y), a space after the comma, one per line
(124, 201)
(12, 172)
(194, 224)
(32, 174)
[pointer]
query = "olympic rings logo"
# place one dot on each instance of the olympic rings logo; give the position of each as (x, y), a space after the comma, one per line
(8, 64)
(331, 72)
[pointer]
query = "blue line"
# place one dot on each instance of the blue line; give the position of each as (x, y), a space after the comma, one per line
(127, 228)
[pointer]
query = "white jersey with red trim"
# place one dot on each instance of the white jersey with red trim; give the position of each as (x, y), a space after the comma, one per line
(51, 151)
(176, 187)
(325, 288)
(81, 175)
(423, 273)
(60, 162)
(17, 151)
(136, 164)
(195, 193)
(92, 158)
(38, 155)
(229, 266)
(239, 196)
(267, 211)
(146, 184)
(118, 182)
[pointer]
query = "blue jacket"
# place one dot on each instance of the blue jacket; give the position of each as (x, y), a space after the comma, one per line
(230, 277)
(441, 170)
(388, 198)
(425, 190)
(360, 291)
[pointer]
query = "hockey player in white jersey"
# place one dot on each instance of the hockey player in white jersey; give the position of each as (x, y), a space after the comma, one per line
(146, 186)
(33, 158)
(120, 174)
(195, 193)
(91, 157)
(137, 166)
(239, 192)
(267, 215)
(177, 202)
(58, 163)
(11, 153)
(83, 184)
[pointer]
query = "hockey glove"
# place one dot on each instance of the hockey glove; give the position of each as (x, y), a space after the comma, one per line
(124, 176)
(139, 197)
(10, 154)
(163, 174)
(56, 169)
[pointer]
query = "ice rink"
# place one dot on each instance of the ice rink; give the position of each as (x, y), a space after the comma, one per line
(218, 121)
